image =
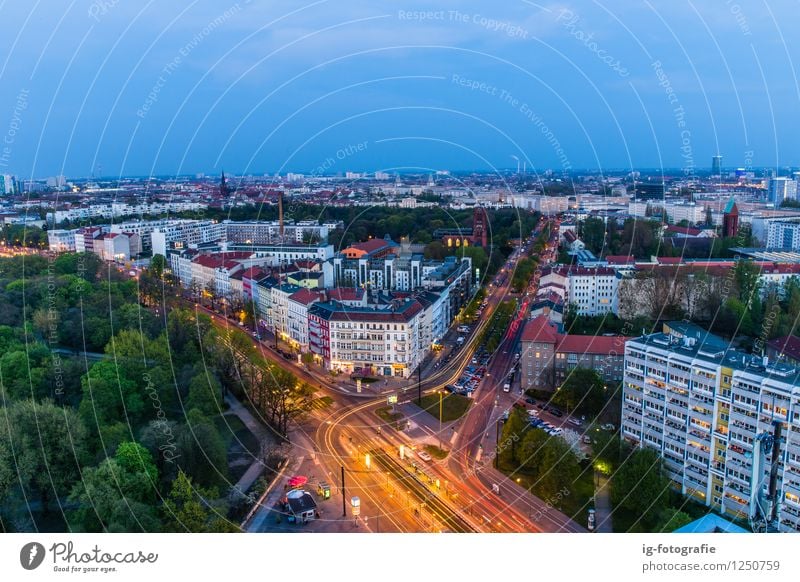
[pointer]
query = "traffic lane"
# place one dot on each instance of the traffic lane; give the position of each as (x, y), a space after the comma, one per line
(389, 441)
(377, 501)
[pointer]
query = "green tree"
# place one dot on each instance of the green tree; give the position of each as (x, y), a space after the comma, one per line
(746, 275)
(41, 449)
(639, 487)
(594, 234)
(672, 519)
(200, 451)
(157, 265)
(205, 393)
(189, 508)
(583, 391)
(119, 495)
(109, 397)
(513, 431)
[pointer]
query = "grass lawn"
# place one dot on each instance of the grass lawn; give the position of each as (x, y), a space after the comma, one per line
(391, 418)
(435, 452)
(453, 406)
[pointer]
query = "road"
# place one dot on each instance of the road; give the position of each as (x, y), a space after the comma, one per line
(454, 494)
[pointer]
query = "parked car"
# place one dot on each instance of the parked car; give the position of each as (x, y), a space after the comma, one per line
(556, 412)
(506, 387)
(530, 400)
(424, 456)
(574, 421)
(587, 440)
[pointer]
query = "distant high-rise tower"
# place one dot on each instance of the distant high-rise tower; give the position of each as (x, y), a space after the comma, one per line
(730, 219)
(716, 166)
(781, 189)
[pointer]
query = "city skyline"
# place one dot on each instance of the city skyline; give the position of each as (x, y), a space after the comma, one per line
(109, 89)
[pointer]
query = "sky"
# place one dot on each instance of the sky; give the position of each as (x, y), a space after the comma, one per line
(138, 88)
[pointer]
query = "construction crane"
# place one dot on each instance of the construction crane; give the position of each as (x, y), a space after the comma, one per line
(764, 490)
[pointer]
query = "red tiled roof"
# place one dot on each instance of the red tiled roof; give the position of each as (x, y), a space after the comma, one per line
(305, 296)
(788, 345)
(254, 273)
(208, 261)
(346, 294)
(592, 344)
(370, 246)
(539, 329)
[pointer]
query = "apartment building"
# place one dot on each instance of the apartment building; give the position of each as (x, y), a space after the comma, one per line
(297, 316)
(121, 209)
(61, 241)
(548, 357)
(117, 246)
(382, 340)
(269, 232)
(784, 234)
(591, 290)
(180, 234)
(704, 407)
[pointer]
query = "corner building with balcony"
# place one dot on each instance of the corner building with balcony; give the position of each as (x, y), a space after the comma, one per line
(702, 405)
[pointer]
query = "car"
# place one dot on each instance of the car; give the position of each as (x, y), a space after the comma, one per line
(530, 400)
(587, 440)
(505, 415)
(556, 412)
(533, 412)
(424, 456)
(474, 360)
(574, 421)
(506, 387)
(608, 426)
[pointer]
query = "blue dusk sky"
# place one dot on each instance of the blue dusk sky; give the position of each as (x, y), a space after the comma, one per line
(124, 87)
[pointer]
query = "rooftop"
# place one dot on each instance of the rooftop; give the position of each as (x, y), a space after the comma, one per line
(690, 340)
(539, 329)
(788, 345)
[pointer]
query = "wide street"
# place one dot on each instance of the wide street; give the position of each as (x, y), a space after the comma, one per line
(460, 493)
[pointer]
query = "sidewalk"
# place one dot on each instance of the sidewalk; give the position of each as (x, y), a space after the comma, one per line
(262, 435)
(602, 504)
(269, 517)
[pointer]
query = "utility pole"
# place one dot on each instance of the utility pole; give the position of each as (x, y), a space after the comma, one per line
(344, 504)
